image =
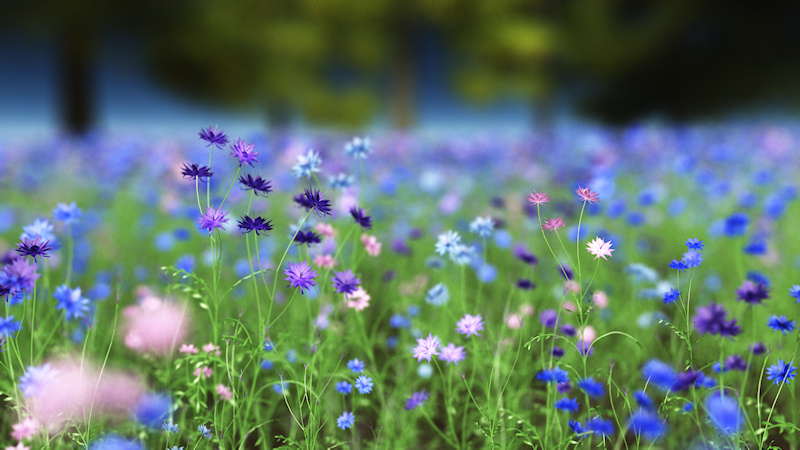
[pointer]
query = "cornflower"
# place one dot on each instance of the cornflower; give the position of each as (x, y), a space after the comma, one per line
(426, 348)
(244, 152)
(213, 137)
(538, 198)
(586, 194)
(212, 219)
(599, 248)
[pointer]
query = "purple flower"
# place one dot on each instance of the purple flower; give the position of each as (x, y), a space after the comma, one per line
(361, 219)
(452, 354)
(257, 184)
(735, 362)
(193, 171)
(313, 199)
(523, 254)
(307, 237)
(752, 293)
(212, 219)
(469, 325)
(244, 152)
(19, 277)
(426, 348)
(34, 248)
(548, 318)
(711, 319)
(758, 348)
(213, 137)
(345, 282)
(416, 399)
(300, 275)
(247, 224)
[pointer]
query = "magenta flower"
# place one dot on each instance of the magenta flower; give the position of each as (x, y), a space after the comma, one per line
(469, 325)
(586, 194)
(553, 224)
(426, 348)
(599, 248)
(538, 198)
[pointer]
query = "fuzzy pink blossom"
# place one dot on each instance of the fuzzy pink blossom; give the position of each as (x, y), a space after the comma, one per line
(190, 349)
(211, 348)
(19, 446)
(538, 198)
(526, 309)
(514, 321)
(599, 248)
(325, 261)
(572, 286)
(553, 224)
(78, 388)
(586, 194)
(206, 372)
(326, 230)
(588, 334)
(372, 245)
(569, 306)
(600, 299)
(224, 392)
(358, 300)
(25, 429)
(155, 326)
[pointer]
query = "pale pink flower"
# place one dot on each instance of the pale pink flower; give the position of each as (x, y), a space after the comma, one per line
(19, 446)
(572, 286)
(325, 261)
(538, 198)
(358, 300)
(206, 372)
(514, 321)
(25, 429)
(224, 392)
(600, 248)
(190, 349)
(372, 244)
(600, 299)
(569, 306)
(588, 334)
(526, 309)
(586, 194)
(155, 326)
(553, 224)
(326, 230)
(211, 348)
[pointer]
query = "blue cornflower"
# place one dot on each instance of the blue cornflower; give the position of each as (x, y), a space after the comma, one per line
(68, 214)
(591, 387)
(781, 324)
(553, 376)
(416, 399)
(577, 428)
(781, 372)
(660, 374)
(356, 366)
(694, 244)
(41, 228)
(71, 301)
(307, 164)
(344, 387)
(115, 442)
(643, 399)
(438, 295)
(8, 327)
(724, 413)
(671, 296)
(364, 384)
(244, 152)
(358, 147)
(601, 427)
(680, 266)
(462, 254)
(736, 224)
(153, 409)
(794, 292)
(567, 404)
(692, 259)
(688, 407)
(647, 423)
(482, 226)
(341, 181)
(205, 431)
(447, 242)
(346, 420)
(170, 427)
(213, 137)
(399, 321)
(345, 282)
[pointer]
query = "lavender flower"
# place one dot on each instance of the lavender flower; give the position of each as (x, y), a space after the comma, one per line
(300, 275)
(470, 325)
(257, 184)
(416, 399)
(452, 354)
(212, 219)
(213, 137)
(345, 282)
(426, 348)
(244, 152)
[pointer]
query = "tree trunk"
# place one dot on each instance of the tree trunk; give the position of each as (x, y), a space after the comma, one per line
(75, 81)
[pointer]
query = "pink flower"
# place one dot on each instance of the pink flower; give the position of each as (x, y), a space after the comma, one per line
(553, 224)
(526, 309)
(514, 321)
(190, 348)
(155, 326)
(19, 446)
(538, 198)
(224, 392)
(206, 372)
(600, 299)
(372, 244)
(569, 306)
(586, 194)
(325, 230)
(211, 348)
(358, 300)
(25, 429)
(325, 261)
(572, 286)
(599, 248)
(588, 334)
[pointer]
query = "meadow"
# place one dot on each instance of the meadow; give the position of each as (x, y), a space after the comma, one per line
(577, 289)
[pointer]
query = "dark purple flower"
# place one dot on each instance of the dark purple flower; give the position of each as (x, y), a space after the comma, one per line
(558, 352)
(212, 219)
(300, 275)
(257, 184)
(736, 362)
(752, 293)
(361, 219)
(758, 348)
(568, 330)
(400, 246)
(686, 380)
(548, 318)
(244, 152)
(307, 237)
(564, 387)
(565, 272)
(213, 137)
(416, 399)
(345, 282)
(524, 283)
(523, 254)
(193, 171)
(315, 200)
(585, 348)
(247, 224)
(711, 319)
(34, 247)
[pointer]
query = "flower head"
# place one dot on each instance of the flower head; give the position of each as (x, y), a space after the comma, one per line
(567, 404)
(153, 409)
(438, 295)
(356, 365)
(447, 242)
(752, 293)
(344, 387)
(205, 431)
(345, 282)
(170, 427)
(307, 237)
(553, 376)
(586, 194)
(313, 199)
(692, 259)
(8, 327)
(672, 296)
(71, 301)
(244, 152)
(781, 324)
(213, 137)
(601, 427)
(358, 147)
(363, 220)
(426, 348)
(341, 181)
(212, 219)
(694, 244)
(781, 372)
(307, 164)
(300, 275)
(193, 171)
(647, 423)
(452, 354)
(416, 399)
(660, 374)
(68, 214)
(578, 428)
(358, 300)
(711, 319)
(482, 226)
(364, 384)
(34, 248)
(794, 292)
(724, 413)
(553, 224)
(538, 198)
(247, 224)
(599, 248)
(470, 325)
(680, 266)
(591, 387)
(257, 184)
(346, 420)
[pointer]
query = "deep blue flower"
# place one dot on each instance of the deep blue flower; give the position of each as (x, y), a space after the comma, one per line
(736, 224)
(794, 292)
(193, 171)
(114, 441)
(205, 431)
(756, 247)
(346, 420)
(601, 427)
(781, 372)
(307, 238)
(692, 259)
(694, 244)
(577, 428)
(356, 365)
(567, 404)
(364, 384)
(680, 266)
(363, 220)
(724, 413)
(257, 184)
(259, 225)
(752, 293)
(8, 327)
(416, 399)
(643, 399)
(647, 424)
(671, 296)
(781, 324)
(344, 387)
(526, 284)
(244, 152)
(71, 301)
(552, 376)
(711, 319)
(399, 321)
(591, 387)
(34, 248)
(299, 275)
(557, 352)
(68, 214)
(153, 409)
(659, 374)
(345, 282)
(213, 137)
(686, 380)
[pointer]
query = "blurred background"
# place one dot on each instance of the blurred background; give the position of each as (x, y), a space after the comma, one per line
(376, 65)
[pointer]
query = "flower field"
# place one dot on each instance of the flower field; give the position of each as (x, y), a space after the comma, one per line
(581, 289)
